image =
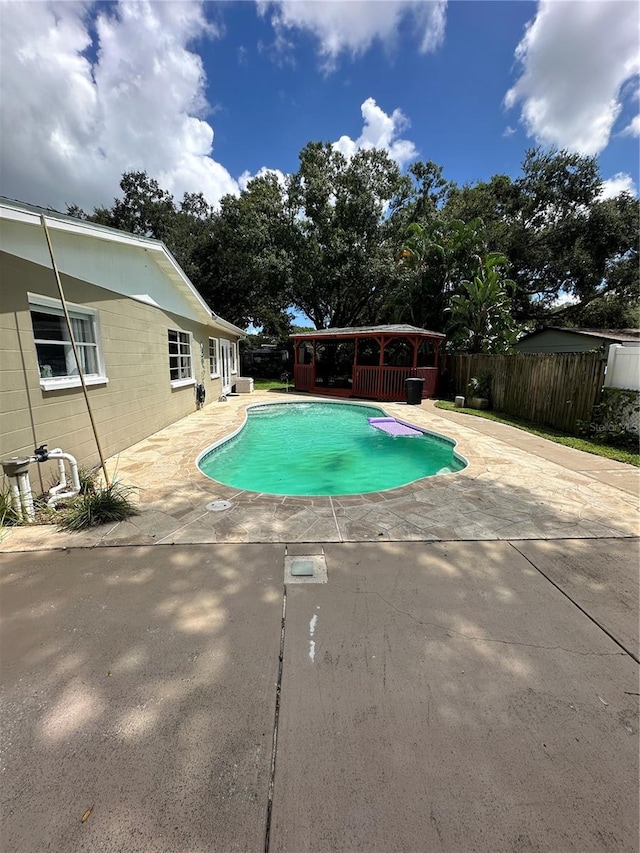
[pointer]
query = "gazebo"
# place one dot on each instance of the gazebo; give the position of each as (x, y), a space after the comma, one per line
(369, 361)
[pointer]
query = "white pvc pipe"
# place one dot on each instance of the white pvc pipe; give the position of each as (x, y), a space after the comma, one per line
(62, 474)
(61, 456)
(15, 496)
(26, 496)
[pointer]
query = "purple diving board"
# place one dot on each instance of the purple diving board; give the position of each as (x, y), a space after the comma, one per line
(393, 427)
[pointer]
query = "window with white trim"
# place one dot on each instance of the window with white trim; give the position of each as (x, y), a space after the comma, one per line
(56, 360)
(180, 361)
(214, 357)
(234, 358)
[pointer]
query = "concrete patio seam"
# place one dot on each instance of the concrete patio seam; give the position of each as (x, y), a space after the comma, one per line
(276, 721)
(285, 540)
(333, 510)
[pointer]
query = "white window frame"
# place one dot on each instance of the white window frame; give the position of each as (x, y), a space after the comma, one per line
(234, 358)
(47, 305)
(214, 358)
(183, 380)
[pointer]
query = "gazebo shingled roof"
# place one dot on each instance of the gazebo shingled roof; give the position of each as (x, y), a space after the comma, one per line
(366, 331)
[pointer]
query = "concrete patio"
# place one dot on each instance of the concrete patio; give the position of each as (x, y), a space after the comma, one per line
(475, 689)
(517, 486)
(429, 696)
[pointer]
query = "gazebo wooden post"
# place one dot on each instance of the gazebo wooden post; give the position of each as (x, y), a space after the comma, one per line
(380, 367)
(297, 351)
(416, 346)
(313, 365)
(354, 369)
(436, 351)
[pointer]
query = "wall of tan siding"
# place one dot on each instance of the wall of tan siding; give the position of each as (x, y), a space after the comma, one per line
(138, 399)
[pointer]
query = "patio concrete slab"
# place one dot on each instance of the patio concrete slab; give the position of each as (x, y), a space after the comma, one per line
(599, 467)
(576, 460)
(446, 696)
(601, 576)
(139, 682)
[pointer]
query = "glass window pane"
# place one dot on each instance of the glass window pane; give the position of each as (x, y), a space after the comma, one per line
(52, 360)
(48, 327)
(82, 329)
(213, 355)
(88, 359)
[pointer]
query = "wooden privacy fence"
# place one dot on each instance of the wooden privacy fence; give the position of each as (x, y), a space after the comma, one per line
(554, 389)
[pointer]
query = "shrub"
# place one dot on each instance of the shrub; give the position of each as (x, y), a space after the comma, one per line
(87, 477)
(101, 506)
(480, 385)
(613, 418)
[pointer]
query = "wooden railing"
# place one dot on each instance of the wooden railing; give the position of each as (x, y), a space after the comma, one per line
(303, 377)
(375, 383)
(388, 383)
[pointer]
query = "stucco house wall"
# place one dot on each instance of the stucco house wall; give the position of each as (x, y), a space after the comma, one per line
(138, 397)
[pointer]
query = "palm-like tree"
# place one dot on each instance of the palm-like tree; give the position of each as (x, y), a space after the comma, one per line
(480, 316)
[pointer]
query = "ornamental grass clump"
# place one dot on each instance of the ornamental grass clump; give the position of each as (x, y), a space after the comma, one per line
(104, 505)
(88, 480)
(8, 514)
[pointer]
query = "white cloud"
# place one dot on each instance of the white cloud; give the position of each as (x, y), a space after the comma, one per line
(633, 128)
(71, 126)
(380, 131)
(619, 183)
(509, 131)
(575, 58)
(563, 298)
(246, 176)
(352, 27)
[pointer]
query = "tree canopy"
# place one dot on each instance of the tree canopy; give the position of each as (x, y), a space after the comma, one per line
(355, 241)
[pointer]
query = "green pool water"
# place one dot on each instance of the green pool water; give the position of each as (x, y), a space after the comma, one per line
(323, 449)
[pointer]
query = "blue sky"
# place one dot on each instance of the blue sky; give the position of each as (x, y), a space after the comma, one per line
(203, 96)
(452, 98)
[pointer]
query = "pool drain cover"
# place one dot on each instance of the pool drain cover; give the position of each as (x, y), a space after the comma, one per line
(305, 569)
(218, 506)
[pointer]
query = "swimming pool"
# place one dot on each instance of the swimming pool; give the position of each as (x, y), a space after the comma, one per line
(323, 449)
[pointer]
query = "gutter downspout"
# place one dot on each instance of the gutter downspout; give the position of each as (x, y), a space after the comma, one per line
(75, 348)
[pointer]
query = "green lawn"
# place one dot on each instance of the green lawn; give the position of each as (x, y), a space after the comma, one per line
(271, 385)
(589, 445)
